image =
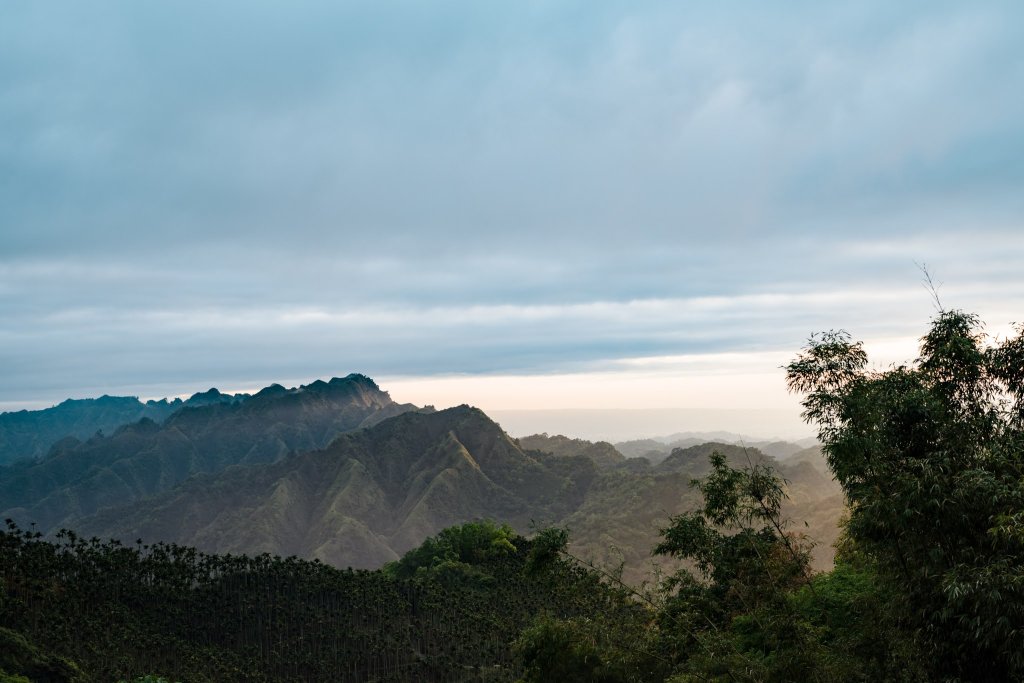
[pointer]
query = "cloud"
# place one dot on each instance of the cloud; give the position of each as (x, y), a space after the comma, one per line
(196, 193)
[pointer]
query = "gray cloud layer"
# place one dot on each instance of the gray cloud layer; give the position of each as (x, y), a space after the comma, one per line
(197, 192)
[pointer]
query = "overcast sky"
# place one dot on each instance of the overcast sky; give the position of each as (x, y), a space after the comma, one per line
(520, 205)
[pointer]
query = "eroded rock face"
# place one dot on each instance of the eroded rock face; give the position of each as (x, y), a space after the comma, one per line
(367, 498)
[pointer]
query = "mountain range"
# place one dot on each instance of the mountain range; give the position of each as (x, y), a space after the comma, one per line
(140, 459)
(340, 472)
(29, 434)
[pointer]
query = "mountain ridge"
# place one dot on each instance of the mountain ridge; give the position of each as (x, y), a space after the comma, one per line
(140, 459)
(30, 434)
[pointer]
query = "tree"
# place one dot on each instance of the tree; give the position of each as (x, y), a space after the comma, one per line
(735, 619)
(930, 456)
(567, 651)
(453, 556)
(22, 661)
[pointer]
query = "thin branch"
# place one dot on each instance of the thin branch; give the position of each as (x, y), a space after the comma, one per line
(929, 284)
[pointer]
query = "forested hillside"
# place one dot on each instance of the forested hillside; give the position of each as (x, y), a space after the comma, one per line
(84, 611)
(602, 453)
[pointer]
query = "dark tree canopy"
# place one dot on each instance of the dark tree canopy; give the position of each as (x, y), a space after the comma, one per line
(930, 456)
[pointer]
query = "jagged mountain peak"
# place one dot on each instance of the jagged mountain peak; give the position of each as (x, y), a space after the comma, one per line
(470, 426)
(209, 433)
(355, 378)
(353, 387)
(274, 389)
(106, 400)
(28, 435)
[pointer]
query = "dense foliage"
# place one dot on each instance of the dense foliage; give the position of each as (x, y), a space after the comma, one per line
(83, 610)
(931, 459)
(457, 556)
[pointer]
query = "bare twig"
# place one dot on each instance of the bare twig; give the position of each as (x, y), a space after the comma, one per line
(929, 284)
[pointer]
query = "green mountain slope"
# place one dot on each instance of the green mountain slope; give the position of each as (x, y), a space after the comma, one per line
(367, 498)
(601, 452)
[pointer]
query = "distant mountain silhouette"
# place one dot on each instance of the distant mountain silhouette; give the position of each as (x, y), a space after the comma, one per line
(659, 448)
(29, 434)
(695, 458)
(601, 452)
(78, 478)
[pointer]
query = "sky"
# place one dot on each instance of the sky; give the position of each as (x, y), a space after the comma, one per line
(630, 209)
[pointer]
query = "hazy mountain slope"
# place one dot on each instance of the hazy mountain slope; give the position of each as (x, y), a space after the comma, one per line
(627, 505)
(780, 450)
(602, 453)
(625, 508)
(619, 521)
(658, 449)
(29, 434)
(814, 457)
(815, 502)
(145, 458)
(367, 498)
(640, 448)
(694, 459)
